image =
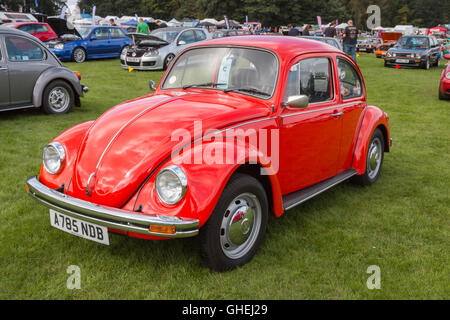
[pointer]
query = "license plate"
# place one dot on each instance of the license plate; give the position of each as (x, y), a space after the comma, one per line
(362, 49)
(79, 227)
(133, 59)
(402, 61)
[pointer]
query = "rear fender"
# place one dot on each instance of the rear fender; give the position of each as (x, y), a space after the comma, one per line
(50, 75)
(374, 118)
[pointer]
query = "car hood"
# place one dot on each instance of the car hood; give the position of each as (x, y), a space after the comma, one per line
(391, 36)
(406, 50)
(62, 27)
(128, 142)
(147, 40)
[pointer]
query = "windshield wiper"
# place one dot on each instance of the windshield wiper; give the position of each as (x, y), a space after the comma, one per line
(208, 84)
(250, 90)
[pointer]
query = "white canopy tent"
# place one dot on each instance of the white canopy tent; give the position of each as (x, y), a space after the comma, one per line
(342, 26)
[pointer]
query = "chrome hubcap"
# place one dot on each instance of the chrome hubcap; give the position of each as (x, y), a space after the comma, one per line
(374, 158)
(240, 225)
(59, 98)
(79, 55)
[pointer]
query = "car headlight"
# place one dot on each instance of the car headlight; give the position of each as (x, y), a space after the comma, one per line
(171, 184)
(447, 75)
(53, 157)
(59, 46)
(151, 53)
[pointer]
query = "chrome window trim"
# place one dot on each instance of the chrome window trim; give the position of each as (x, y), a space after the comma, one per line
(322, 109)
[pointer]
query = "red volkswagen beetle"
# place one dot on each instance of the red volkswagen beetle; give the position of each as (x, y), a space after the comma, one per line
(444, 87)
(238, 128)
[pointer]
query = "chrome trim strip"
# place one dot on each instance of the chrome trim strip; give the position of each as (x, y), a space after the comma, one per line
(126, 124)
(322, 109)
(108, 216)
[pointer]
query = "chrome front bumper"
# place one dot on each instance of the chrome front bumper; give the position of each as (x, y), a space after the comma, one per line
(111, 217)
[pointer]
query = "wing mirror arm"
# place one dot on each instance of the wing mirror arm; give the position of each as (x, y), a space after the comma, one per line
(152, 85)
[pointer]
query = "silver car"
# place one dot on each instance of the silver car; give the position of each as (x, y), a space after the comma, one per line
(156, 50)
(31, 76)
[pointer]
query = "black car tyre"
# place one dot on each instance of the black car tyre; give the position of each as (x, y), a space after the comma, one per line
(236, 227)
(58, 98)
(426, 64)
(374, 160)
(79, 55)
(443, 96)
(168, 60)
(438, 62)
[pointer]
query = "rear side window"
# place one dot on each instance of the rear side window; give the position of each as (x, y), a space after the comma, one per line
(187, 37)
(311, 77)
(351, 83)
(117, 33)
(200, 35)
(26, 28)
(40, 28)
(21, 49)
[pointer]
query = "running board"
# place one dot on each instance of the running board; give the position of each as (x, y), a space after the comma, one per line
(297, 197)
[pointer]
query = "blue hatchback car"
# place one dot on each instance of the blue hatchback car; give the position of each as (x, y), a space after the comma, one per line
(89, 42)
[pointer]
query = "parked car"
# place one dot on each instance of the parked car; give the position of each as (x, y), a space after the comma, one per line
(31, 76)
(414, 51)
(444, 86)
(239, 127)
(224, 33)
(368, 45)
(331, 41)
(157, 50)
(89, 42)
(42, 31)
(389, 39)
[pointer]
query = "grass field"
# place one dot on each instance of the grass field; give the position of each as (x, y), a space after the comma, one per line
(319, 250)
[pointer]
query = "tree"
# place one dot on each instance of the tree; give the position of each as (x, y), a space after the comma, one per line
(49, 7)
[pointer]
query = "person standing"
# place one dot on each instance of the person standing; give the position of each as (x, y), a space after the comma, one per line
(330, 32)
(350, 40)
(293, 31)
(142, 27)
(306, 30)
(112, 22)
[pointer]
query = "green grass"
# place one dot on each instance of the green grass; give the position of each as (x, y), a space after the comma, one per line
(320, 249)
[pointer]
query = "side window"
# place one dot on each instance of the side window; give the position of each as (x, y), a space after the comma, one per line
(351, 84)
(21, 49)
(117, 33)
(26, 28)
(101, 34)
(187, 37)
(311, 77)
(200, 35)
(40, 28)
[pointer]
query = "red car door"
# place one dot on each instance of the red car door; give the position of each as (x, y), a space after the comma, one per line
(353, 103)
(309, 137)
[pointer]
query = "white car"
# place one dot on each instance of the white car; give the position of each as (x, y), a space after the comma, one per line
(156, 50)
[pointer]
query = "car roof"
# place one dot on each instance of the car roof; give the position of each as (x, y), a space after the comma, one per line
(284, 46)
(175, 29)
(6, 30)
(19, 23)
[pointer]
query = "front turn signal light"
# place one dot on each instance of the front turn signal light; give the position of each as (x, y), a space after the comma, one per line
(162, 229)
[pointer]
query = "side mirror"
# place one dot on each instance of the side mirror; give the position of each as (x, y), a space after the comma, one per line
(181, 43)
(300, 101)
(152, 85)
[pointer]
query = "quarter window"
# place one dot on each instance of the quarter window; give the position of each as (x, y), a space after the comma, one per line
(311, 77)
(20, 49)
(351, 84)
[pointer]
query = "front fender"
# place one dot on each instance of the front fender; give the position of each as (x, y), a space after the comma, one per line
(374, 118)
(206, 181)
(51, 74)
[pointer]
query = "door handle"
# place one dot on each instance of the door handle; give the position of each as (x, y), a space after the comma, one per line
(337, 114)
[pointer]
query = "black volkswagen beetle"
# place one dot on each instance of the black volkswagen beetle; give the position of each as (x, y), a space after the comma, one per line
(31, 76)
(414, 51)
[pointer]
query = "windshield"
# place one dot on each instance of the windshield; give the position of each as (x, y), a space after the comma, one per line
(168, 36)
(84, 31)
(412, 43)
(248, 71)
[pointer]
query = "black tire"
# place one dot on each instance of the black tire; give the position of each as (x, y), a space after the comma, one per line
(443, 96)
(438, 62)
(168, 60)
(79, 55)
(426, 65)
(230, 221)
(58, 98)
(374, 163)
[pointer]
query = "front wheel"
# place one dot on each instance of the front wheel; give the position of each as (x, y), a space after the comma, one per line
(374, 160)
(233, 233)
(426, 64)
(79, 55)
(168, 60)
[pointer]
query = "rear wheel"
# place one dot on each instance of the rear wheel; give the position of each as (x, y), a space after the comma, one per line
(233, 233)
(374, 160)
(79, 55)
(58, 98)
